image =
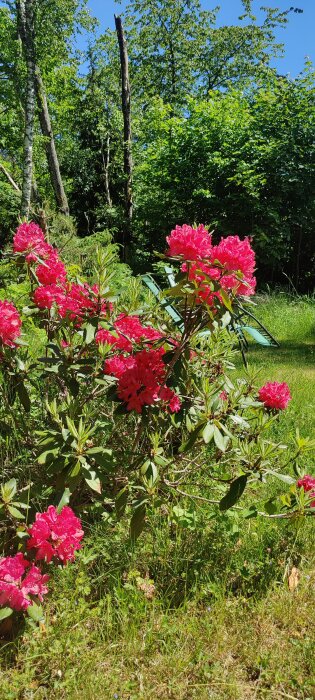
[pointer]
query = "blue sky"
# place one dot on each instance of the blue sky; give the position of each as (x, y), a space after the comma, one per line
(298, 36)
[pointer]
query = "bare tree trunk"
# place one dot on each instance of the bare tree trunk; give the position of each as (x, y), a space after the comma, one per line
(126, 110)
(26, 29)
(52, 158)
(106, 159)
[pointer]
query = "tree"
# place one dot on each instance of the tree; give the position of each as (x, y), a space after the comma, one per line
(25, 14)
(176, 49)
(126, 110)
(240, 163)
(50, 146)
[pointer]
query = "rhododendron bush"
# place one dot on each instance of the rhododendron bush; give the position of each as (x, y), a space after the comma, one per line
(122, 411)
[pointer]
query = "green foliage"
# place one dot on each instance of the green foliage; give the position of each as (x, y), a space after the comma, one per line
(251, 158)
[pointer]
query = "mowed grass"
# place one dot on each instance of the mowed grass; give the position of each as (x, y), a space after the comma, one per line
(222, 623)
(292, 322)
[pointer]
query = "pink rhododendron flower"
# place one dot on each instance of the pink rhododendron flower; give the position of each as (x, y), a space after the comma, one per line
(29, 240)
(141, 380)
(275, 395)
(308, 484)
(19, 580)
(190, 243)
(235, 256)
(45, 296)
(72, 300)
(56, 535)
(52, 270)
(117, 365)
(10, 323)
(128, 329)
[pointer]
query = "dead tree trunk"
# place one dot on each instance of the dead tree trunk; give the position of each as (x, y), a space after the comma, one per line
(126, 110)
(51, 153)
(26, 29)
(106, 159)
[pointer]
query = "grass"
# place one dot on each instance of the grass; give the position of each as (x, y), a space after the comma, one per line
(221, 623)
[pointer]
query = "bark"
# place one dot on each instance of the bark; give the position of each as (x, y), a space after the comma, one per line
(51, 153)
(106, 159)
(126, 110)
(26, 29)
(11, 181)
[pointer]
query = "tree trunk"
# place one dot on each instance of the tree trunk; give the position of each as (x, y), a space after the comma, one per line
(26, 29)
(106, 159)
(52, 158)
(126, 110)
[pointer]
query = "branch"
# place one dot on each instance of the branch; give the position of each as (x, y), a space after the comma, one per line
(11, 181)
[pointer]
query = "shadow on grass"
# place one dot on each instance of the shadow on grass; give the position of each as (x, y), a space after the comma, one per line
(288, 353)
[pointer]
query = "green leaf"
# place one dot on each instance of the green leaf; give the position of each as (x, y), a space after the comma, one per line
(5, 612)
(234, 493)
(72, 427)
(103, 457)
(35, 612)
(282, 477)
(65, 499)
(226, 300)
(23, 396)
(8, 490)
(15, 513)
(94, 484)
(270, 507)
(48, 456)
(89, 333)
(220, 440)
(208, 433)
(186, 446)
(137, 521)
(150, 474)
(121, 501)
(250, 512)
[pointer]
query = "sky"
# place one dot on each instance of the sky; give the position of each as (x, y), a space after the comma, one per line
(298, 36)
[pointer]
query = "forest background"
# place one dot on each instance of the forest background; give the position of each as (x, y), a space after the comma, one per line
(220, 134)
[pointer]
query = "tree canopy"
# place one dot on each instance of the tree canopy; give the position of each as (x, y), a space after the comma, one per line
(218, 135)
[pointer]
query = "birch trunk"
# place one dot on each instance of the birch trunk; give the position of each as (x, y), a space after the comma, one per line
(26, 29)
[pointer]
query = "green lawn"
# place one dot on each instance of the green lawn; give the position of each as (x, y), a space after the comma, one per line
(222, 623)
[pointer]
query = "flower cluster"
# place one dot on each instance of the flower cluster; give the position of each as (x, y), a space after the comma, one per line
(53, 536)
(19, 579)
(275, 395)
(74, 301)
(10, 324)
(142, 380)
(308, 484)
(128, 330)
(29, 240)
(189, 243)
(51, 270)
(235, 256)
(231, 263)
